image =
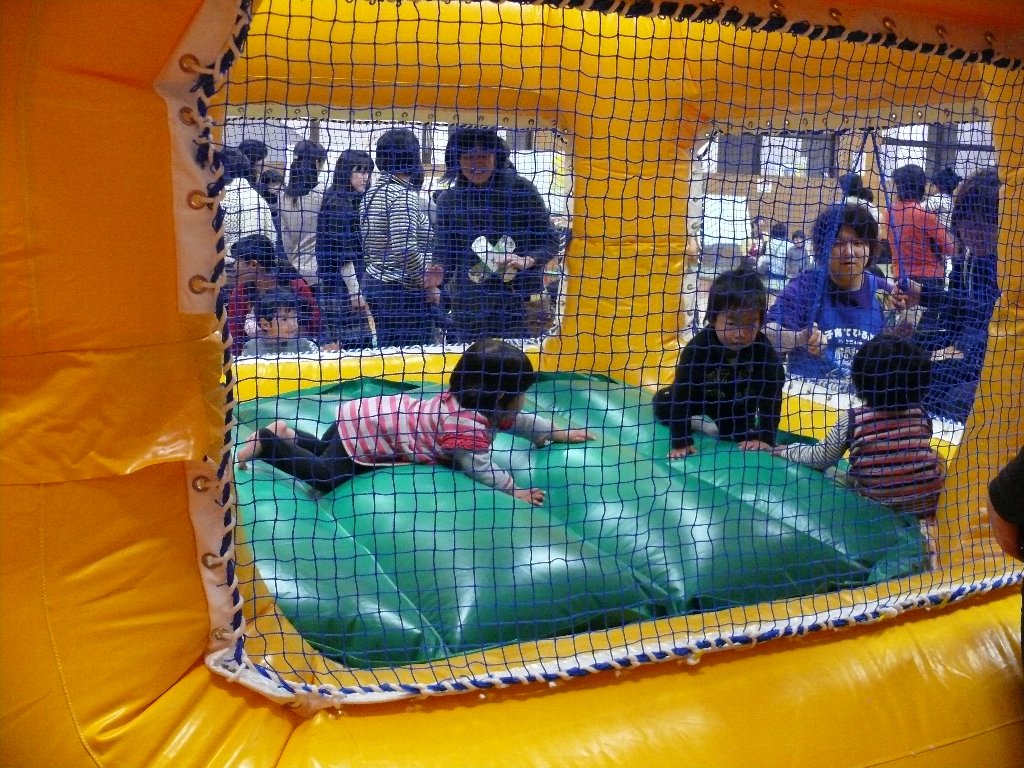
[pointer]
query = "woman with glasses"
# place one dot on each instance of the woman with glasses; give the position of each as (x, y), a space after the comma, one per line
(825, 314)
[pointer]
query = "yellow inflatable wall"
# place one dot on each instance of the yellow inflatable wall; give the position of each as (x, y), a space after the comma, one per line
(111, 581)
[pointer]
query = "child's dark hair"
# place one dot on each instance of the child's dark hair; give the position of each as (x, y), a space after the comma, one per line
(890, 373)
(272, 303)
(489, 374)
(738, 290)
(779, 231)
(910, 182)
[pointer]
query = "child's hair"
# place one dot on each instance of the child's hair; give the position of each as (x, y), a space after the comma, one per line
(799, 234)
(836, 216)
(489, 374)
(738, 290)
(271, 176)
(946, 180)
(890, 373)
(272, 303)
(851, 185)
(910, 181)
(779, 231)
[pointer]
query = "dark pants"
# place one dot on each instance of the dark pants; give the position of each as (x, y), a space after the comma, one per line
(402, 315)
(320, 461)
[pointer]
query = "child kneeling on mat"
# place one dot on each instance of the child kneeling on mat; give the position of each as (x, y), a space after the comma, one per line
(728, 372)
(485, 395)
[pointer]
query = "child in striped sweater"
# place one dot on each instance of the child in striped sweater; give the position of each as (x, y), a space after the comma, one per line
(889, 437)
(485, 395)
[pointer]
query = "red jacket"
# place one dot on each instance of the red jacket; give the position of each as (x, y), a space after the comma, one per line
(920, 244)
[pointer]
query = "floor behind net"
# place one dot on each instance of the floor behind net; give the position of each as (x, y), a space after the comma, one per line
(413, 563)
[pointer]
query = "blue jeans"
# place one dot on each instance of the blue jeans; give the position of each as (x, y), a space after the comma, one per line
(402, 315)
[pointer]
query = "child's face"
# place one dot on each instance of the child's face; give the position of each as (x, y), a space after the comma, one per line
(285, 325)
(737, 328)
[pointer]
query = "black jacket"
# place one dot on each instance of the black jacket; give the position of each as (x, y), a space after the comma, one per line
(337, 237)
(508, 205)
(741, 390)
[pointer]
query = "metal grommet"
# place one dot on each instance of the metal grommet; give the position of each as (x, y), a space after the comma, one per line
(210, 560)
(835, 14)
(940, 31)
(889, 24)
(220, 634)
(187, 116)
(197, 200)
(199, 284)
(202, 482)
(189, 63)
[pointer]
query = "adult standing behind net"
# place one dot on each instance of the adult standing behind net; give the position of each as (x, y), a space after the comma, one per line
(339, 253)
(954, 326)
(298, 207)
(825, 315)
(494, 236)
(400, 285)
(920, 244)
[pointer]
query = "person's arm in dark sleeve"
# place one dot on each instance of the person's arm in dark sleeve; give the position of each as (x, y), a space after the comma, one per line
(1006, 507)
(769, 402)
(686, 390)
(535, 236)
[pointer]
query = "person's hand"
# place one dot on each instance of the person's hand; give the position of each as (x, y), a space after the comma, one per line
(433, 295)
(814, 341)
(682, 453)
(359, 303)
(778, 450)
(908, 292)
(947, 353)
(755, 445)
(571, 436)
(534, 496)
(1007, 535)
(433, 276)
(332, 347)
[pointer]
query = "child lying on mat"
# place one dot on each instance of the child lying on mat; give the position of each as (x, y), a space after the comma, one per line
(455, 428)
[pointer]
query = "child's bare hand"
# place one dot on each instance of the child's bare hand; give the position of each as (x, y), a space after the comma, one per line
(534, 496)
(571, 436)
(754, 445)
(682, 453)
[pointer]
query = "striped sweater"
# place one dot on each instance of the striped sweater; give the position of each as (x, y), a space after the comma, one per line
(396, 233)
(891, 457)
(436, 430)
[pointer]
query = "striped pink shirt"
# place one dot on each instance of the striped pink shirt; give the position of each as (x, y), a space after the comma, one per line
(402, 428)
(892, 460)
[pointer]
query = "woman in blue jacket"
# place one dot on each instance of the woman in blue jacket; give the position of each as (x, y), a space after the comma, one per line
(494, 236)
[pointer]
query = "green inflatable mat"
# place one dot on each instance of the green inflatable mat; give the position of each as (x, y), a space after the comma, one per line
(412, 563)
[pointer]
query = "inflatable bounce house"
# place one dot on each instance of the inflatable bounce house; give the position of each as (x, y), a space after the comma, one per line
(167, 605)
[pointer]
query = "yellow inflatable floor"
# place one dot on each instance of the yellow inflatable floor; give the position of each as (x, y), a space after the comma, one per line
(112, 586)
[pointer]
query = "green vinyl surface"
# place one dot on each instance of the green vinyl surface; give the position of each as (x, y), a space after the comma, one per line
(416, 562)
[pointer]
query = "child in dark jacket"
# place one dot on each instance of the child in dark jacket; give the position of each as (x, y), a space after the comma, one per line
(729, 371)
